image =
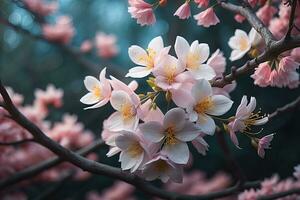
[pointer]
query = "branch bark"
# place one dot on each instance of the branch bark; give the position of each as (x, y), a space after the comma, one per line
(288, 107)
(16, 142)
(280, 194)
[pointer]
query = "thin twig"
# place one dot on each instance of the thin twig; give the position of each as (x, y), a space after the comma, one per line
(286, 108)
(17, 142)
(47, 164)
(293, 6)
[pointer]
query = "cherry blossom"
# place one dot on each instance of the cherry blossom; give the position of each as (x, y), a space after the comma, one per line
(264, 143)
(184, 11)
(99, 91)
(141, 11)
(207, 18)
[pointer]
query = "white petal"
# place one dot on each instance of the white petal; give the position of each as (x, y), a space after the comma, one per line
(201, 50)
(89, 99)
(201, 90)
(176, 118)
(178, 153)
(118, 99)
(182, 48)
(261, 121)
(221, 105)
(237, 54)
(201, 145)
(124, 141)
(189, 132)
(113, 151)
(139, 72)
(127, 162)
(206, 124)
(203, 71)
(254, 37)
(116, 122)
(91, 82)
(156, 44)
(252, 104)
(138, 163)
(98, 105)
(152, 131)
(138, 55)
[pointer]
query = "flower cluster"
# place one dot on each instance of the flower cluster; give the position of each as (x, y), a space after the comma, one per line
(69, 132)
(155, 144)
(280, 71)
(144, 12)
(40, 7)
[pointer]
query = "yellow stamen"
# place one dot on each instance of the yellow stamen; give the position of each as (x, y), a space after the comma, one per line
(192, 60)
(161, 166)
(149, 58)
(135, 150)
(97, 91)
(170, 74)
(243, 44)
(170, 138)
(127, 111)
(204, 105)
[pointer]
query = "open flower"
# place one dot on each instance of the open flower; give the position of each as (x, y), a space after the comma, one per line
(204, 104)
(207, 18)
(245, 118)
(193, 57)
(160, 167)
(173, 134)
(99, 91)
(241, 43)
(169, 73)
(146, 58)
(184, 11)
(132, 150)
(126, 116)
(264, 143)
(141, 11)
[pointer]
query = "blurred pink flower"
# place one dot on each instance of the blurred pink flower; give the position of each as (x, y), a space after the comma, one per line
(207, 18)
(239, 18)
(266, 13)
(141, 11)
(86, 46)
(106, 45)
(40, 7)
(264, 143)
(184, 11)
(202, 3)
(61, 32)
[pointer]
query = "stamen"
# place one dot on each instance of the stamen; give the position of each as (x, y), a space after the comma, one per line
(204, 105)
(97, 91)
(161, 166)
(170, 138)
(127, 111)
(135, 150)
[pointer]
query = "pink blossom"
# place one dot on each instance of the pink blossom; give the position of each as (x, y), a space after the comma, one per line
(61, 32)
(141, 11)
(202, 3)
(106, 45)
(252, 2)
(207, 18)
(245, 118)
(296, 54)
(250, 194)
(266, 13)
(40, 7)
(262, 74)
(218, 62)
(86, 46)
(239, 18)
(184, 11)
(264, 143)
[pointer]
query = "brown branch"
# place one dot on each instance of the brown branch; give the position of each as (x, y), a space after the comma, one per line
(275, 49)
(253, 20)
(280, 194)
(293, 6)
(102, 169)
(16, 142)
(286, 108)
(42, 166)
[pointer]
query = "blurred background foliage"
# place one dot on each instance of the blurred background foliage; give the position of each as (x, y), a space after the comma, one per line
(27, 64)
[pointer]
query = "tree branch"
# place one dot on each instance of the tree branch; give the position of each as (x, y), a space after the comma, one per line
(288, 107)
(16, 142)
(253, 20)
(102, 169)
(42, 166)
(275, 49)
(292, 18)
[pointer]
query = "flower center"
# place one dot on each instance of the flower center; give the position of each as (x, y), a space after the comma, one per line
(135, 150)
(170, 138)
(97, 91)
(252, 119)
(127, 111)
(170, 74)
(243, 44)
(204, 105)
(192, 60)
(161, 166)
